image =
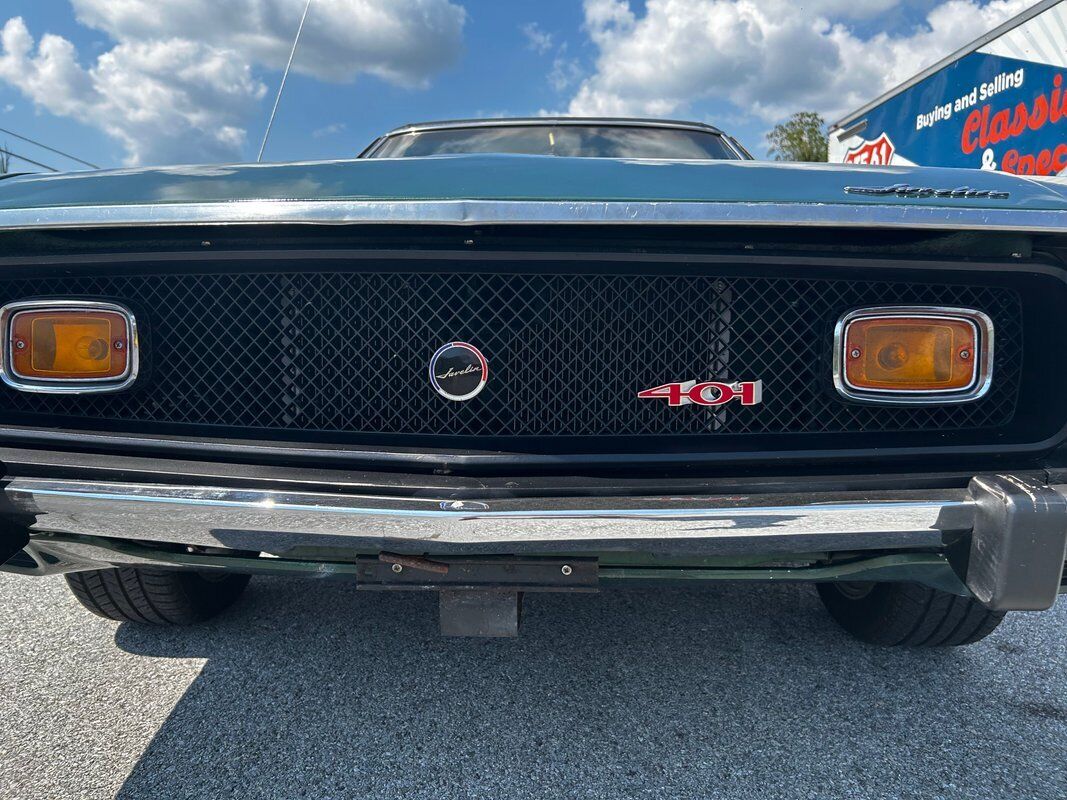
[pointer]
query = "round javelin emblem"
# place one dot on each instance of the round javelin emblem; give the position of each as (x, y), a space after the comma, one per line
(458, 371)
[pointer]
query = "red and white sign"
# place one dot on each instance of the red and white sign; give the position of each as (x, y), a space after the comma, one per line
(877, 152)
(708, 393)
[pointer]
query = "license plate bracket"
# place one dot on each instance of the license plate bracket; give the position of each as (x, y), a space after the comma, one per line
(391, 572)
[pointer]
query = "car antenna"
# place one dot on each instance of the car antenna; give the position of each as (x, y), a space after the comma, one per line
(281, 86)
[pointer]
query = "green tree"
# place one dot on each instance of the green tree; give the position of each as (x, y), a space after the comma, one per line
(801, 138)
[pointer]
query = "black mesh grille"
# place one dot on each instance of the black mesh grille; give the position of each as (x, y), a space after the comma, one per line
(346, 352)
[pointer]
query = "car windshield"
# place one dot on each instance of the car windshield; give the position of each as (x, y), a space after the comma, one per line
(591, 141)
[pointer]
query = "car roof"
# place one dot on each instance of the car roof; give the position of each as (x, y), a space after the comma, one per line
(635, 122)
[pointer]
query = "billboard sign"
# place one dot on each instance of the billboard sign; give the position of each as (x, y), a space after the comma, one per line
(1001, 107)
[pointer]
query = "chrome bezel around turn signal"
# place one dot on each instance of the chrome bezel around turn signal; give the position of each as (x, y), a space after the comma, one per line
(40, 385)
(983, 372)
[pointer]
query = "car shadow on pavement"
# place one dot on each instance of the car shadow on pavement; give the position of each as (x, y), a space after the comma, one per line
(311, 689)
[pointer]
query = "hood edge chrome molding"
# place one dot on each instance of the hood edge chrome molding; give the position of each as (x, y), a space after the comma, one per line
(518, 212)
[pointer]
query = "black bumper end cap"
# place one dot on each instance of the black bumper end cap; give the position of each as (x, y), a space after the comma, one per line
(1018, 543)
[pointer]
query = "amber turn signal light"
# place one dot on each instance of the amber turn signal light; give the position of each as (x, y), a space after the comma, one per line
(68, 346)
(941, 355)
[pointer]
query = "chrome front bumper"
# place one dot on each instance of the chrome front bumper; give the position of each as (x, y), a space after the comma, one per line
(277, 522)
(1017, 527)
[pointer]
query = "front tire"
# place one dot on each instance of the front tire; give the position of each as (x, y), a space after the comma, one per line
(907, 614)
(155, 596)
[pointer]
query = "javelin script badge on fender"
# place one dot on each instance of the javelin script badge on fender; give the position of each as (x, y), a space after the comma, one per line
(906, 190)
(708, 393)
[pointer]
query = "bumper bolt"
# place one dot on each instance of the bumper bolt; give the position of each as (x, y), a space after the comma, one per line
(566, 569)
(398, 568)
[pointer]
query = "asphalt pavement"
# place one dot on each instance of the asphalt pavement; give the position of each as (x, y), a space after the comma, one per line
(310, 689)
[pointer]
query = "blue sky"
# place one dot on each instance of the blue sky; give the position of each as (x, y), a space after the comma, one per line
(153, 81)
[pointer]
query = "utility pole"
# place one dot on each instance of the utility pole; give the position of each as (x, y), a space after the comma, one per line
(281, 86)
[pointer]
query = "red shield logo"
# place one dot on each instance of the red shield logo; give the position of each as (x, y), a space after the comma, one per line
(879, 152)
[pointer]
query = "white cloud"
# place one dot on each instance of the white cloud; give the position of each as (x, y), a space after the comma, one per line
(329, 130)
(538, 40)
(163, 100)
(178, 85)
(403, 41)
(566, 72)
(772, 57)
(840, 8)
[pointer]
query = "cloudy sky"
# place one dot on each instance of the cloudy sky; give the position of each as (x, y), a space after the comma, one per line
(131, 82)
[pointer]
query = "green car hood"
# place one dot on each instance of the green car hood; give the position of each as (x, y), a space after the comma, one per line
(522, 178)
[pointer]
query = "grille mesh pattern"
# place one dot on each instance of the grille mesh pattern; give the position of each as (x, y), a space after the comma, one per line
(347, 352)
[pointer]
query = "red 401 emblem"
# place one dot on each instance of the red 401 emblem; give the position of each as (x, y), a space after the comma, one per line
(708, 393)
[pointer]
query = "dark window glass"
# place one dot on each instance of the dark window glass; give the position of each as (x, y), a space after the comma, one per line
(593, 141)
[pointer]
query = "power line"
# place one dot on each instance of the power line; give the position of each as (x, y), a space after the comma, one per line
(28, 160)
(281, 86)
(46, 147)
